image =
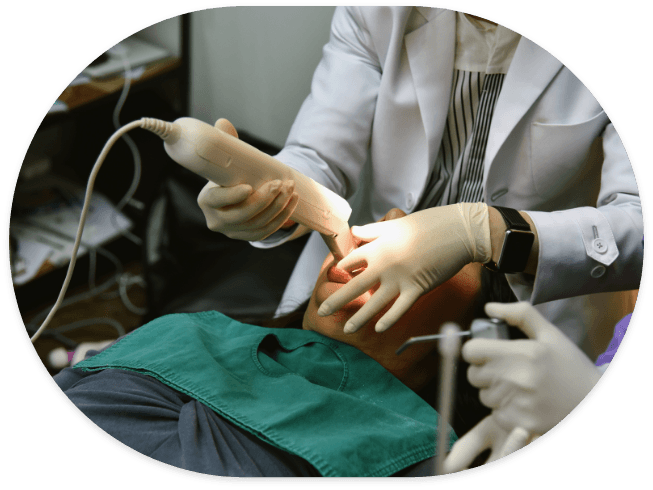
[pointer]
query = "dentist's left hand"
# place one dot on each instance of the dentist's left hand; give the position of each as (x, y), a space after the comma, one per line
(408, 257)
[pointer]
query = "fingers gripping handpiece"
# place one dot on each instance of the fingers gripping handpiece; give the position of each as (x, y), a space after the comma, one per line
(216, 153)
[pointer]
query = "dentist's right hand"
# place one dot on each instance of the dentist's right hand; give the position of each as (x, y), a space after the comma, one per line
(407, 257)
(242, 213)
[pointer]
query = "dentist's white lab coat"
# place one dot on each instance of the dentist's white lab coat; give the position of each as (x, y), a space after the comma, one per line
(382, 91)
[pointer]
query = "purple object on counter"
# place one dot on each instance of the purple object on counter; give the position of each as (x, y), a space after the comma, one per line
(619, 332)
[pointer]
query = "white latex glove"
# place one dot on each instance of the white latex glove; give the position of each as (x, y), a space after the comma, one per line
(487, 434)
(242, 213)
(533, 383)
(408, 257)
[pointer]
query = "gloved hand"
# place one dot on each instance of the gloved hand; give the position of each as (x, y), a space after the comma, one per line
(410, 256)
(487, 434)
(242, 213)
(533, 383)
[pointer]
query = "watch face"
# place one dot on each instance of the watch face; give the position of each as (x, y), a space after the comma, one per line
(516, 249)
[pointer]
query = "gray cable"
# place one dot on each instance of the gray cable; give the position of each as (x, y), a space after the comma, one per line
(89, 189)
(125, 281)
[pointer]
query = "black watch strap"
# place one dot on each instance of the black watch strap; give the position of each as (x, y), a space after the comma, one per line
(517, 243)
(514, 220)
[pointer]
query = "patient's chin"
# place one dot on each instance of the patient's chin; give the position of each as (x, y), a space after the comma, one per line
(324, 290)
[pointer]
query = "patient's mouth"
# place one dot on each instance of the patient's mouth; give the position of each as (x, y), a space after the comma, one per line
(339, 276)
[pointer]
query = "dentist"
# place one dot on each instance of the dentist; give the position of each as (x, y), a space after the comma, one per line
(496, 151)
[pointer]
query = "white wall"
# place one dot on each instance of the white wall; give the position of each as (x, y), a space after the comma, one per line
(166, 34)
(253, 65)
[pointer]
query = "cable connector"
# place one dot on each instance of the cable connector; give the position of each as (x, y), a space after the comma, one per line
(165, 130)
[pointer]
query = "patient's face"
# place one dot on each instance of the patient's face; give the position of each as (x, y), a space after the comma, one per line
(452, 301)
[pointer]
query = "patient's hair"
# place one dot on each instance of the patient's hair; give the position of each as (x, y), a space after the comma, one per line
(468, 410)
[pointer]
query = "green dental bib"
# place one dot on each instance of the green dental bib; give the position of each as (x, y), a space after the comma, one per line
(312, 396)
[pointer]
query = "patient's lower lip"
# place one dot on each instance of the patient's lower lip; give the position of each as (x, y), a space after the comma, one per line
(341, 276)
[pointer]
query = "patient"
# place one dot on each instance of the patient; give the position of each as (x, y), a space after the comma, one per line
(184, 390)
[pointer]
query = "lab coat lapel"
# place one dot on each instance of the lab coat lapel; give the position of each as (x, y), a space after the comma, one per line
(530, 72)
(430, 51)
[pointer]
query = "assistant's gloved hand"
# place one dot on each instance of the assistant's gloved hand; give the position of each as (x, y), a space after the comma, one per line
(487, 434)
(242, 213)
(408, 257)
(532, 384)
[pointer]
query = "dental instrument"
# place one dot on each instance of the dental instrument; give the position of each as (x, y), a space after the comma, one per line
(215, 153)
(481, 328)
(449, 348)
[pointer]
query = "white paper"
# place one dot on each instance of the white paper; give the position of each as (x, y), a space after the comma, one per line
(48, 233)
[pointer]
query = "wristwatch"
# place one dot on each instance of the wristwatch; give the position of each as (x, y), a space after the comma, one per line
(517, 243)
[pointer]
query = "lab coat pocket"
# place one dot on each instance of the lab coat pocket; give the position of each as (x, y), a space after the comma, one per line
(559, 153)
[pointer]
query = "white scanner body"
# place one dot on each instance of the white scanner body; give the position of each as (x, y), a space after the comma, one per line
(225, 160)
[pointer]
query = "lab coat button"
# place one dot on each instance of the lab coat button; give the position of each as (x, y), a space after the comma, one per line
(599, 245)
(597, 272)
(410, 200)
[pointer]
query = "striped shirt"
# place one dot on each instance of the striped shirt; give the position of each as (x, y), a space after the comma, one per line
(483, 55)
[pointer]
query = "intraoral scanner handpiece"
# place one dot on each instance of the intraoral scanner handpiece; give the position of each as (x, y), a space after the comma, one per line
(216, 153)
